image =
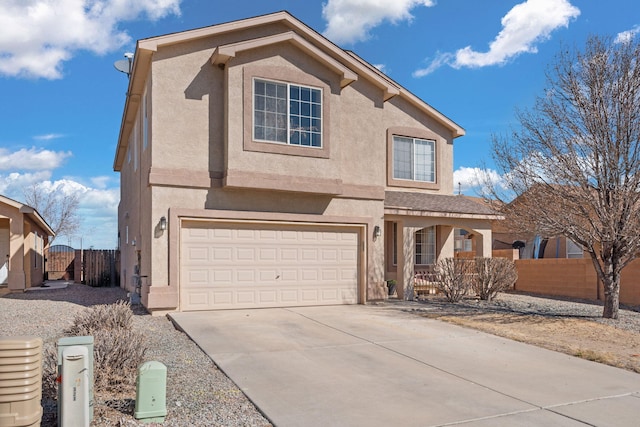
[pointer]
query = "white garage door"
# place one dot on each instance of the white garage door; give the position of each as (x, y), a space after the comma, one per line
(224, 265)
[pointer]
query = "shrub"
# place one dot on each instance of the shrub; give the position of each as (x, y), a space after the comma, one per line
(118, 348)
(453, 277)
(493, 275)
(49, 371)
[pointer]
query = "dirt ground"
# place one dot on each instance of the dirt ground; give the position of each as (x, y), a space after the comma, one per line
(577, 337)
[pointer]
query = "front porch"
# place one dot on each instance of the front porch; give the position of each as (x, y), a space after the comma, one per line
(420, 229)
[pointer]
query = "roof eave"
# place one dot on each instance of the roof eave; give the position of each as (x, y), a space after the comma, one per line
(34, 215)
(407, 211)
(135, 89)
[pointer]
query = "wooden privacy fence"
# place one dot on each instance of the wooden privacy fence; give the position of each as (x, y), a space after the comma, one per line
(98, 267)
(94, 267)
(60, 262)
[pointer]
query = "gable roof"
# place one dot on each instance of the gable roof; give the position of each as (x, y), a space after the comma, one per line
(437, 205)
(30, 212)
(349, 65)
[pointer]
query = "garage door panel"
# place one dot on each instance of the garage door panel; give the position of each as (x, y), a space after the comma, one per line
(220, 299)
(245, 234)
(268, 254)
(222, 275)
(199, 299)
(198, 234)
(199, 276)
(309, 295)
(226, 265)
(310, 254)
(246, 297)
(329, 274)
(288, 275)
(287, 254)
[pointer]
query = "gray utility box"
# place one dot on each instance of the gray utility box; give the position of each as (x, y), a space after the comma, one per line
(75, 387)
(63, 344)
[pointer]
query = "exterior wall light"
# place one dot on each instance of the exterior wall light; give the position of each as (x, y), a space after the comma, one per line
(163, 223)
(377, 232)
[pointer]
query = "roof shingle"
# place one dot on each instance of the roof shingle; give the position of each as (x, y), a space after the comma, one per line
(435, 203)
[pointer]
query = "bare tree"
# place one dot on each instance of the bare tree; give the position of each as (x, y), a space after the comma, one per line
(58, 208)
(574, 162)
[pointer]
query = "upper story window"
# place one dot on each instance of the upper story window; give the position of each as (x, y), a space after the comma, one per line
(417, 158)
(413, 159)
(287, 113)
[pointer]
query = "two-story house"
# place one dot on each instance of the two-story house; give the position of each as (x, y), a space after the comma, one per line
(263, 166)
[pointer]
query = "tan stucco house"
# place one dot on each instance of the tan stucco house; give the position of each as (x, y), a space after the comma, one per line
(263, 166)
(24, 235)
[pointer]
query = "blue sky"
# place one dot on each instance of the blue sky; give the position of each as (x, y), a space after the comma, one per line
(62, 100)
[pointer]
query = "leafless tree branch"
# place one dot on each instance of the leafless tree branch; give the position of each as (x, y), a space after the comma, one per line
(58, 208)
(573, 164)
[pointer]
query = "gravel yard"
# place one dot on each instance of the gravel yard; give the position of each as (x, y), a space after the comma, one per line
(198, 394)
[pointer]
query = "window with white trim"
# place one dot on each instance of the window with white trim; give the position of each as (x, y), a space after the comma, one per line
(413, 159)
(287, 113)
(425, 245)
(425, 240)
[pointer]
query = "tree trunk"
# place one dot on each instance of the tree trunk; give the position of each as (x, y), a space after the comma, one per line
(611, 296)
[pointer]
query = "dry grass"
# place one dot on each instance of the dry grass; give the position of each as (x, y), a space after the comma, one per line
(574, 336)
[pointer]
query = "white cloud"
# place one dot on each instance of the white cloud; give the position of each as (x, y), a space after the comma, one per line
(39, 35)
(381, 67)
(474, 180)
(11, 185)
(98, 207)
(100, 181)
(31, 159)
(523, 28)
(48, 137)
(627, 36)
(98, 211)
(349, 21)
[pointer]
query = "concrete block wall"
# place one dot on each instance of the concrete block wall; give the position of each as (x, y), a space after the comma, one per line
(575, 278)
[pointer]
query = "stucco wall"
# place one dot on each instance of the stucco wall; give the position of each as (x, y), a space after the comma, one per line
(199, 160)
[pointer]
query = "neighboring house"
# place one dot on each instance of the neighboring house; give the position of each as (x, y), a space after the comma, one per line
(532, 246)
(23, 237)
(263, 166)
(529, 244)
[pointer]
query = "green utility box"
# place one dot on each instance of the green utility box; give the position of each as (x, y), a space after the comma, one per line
(151, 392)
(64, 343)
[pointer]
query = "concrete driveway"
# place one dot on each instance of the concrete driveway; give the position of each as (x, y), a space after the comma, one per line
(382, 366)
